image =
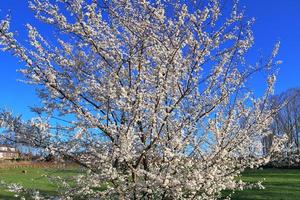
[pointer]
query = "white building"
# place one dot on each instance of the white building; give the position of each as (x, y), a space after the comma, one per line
(7, 152)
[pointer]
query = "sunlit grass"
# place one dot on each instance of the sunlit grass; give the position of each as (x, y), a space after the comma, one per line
(280, 184)
(34, 178)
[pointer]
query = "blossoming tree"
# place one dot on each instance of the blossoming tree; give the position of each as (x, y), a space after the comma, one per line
(151, 96)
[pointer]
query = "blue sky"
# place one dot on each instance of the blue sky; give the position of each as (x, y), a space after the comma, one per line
(275, 20)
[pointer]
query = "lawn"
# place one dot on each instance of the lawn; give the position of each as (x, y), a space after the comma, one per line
(34, 178)
(281, 184)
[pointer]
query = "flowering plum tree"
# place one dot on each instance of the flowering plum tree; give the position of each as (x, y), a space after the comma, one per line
(151, 96)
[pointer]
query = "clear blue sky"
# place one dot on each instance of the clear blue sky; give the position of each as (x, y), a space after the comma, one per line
(275, 20)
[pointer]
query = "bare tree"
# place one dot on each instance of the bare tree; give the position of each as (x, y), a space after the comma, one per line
(287, 120)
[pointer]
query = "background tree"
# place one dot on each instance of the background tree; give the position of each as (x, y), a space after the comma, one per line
(151, 96)
(287, 120)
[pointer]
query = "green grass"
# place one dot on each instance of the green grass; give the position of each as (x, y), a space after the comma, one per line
(33, 179)
(280, 184)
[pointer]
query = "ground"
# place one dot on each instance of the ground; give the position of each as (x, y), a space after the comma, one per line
(33, 178)
(281, 184)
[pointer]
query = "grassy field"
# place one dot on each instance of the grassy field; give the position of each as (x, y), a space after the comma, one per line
(281, 184)
(34, 178)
